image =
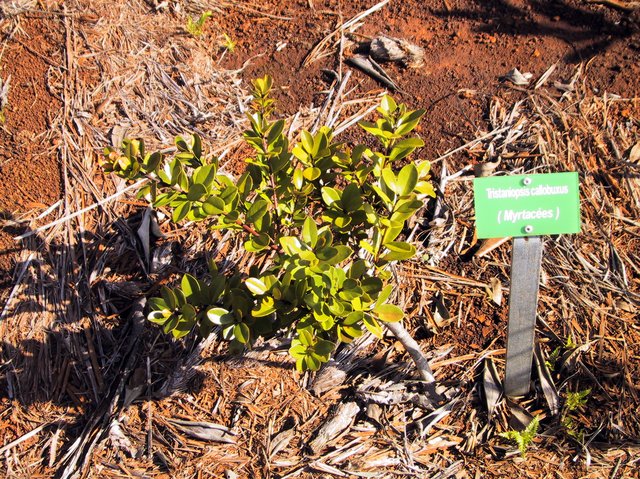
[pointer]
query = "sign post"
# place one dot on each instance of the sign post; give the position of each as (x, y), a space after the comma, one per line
(525, 207)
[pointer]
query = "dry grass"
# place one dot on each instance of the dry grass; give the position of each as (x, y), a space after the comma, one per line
(93, 391)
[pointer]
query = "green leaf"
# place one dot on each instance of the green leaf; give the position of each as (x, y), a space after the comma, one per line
(307, 140)
(188, 312)
(384, 294)
(181, 211)
(351, 199)
(184, 326)
(205, 175)
(408, 122)
(265, 307)
(425, 188)
(323, 348)
(245, 185)
(311, 173)
(408, 178)
(219, 316)
(191, 289)
(374, 326)
(159, 316)
(330, 195)
(389, 313)
(392, 233)
(213, 205)
(342, 222)
(404, 148)
(291, 245)
(197, 144)
(388, 104)
(391, 181)
(257, 210)
(298, 178)
(310, 232)
(169, 298)
(196, 191)
(242, 333)
(275, 131)
(256, 286)
(398, 251)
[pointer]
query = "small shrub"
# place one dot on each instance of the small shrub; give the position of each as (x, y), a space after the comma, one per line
(323, 219)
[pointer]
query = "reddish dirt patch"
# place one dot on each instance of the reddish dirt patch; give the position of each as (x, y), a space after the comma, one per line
(28, 165)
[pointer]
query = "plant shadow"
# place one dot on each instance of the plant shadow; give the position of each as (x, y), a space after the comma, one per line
(74, 335)
(587, 30)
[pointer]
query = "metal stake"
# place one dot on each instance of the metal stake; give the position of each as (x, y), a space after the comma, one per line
(523, 302)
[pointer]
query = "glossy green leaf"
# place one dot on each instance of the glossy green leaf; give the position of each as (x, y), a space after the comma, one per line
(266, 306)
(388, 104)
(291, 245)
(311, 173)
(373, 326)
(391, 181)
(191, 289)
(205, 175)
(307, 140)
(275, 131)
(256, 286)
(298, 178)
(408, 178)
(257, 210)
(408, 122)
(389, 313)
(242, 333)
(310, 232)
(330, 195)
(219, 316)
(159, 316)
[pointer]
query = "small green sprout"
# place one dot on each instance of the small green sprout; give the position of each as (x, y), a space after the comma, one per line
(576, 400)
(523, 438)
(196, 27)
(228, 44)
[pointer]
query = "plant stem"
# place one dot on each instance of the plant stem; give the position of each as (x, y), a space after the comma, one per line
(422, 365)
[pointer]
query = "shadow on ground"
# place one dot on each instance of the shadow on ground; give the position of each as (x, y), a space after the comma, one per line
(587, 30)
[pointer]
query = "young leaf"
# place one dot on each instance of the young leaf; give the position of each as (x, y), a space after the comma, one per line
(388, 105)
(404, 148)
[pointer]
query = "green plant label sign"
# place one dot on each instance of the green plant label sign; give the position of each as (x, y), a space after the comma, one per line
(527, 205)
